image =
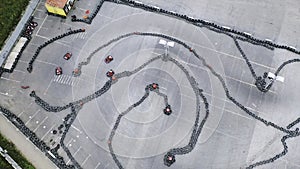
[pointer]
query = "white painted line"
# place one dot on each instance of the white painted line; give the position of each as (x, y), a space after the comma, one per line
(41, 61)
(246, 83)
(233, 56)
(6, 94)
(85, 159)
(69, 80)
(58, 79)
(25, 109)
(48, 86)
(40, 37)
(83, 35)
(61, 79)
(249, 34)
(268, 40)
(32, 116)
(77, 151)
(76, 82)
(64, 80)
(40, 123)
(51, 154)
(226, 27)
(76, 129)
(19, 71)
(70, 141)
(228, 135)
(42, 24)
(156, 7)
(206, 21)
(10, 80)
(97, 165)
(47, 132)
(55, 78)
(73, 80)
(80, 35)
(293, 47)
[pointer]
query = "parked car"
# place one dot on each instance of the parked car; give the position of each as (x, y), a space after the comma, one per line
(108, 59)
(68, 55)
(58, 71)
(110, 73)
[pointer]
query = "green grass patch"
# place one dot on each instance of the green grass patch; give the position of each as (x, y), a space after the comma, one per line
(14, 153)
(4, 164)
(10, 15)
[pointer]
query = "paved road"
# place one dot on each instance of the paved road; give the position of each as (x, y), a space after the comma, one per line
(231, 139)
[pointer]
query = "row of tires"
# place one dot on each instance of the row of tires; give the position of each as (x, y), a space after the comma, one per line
(30, 67)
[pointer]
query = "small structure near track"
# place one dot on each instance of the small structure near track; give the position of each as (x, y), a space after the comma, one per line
(59, 7)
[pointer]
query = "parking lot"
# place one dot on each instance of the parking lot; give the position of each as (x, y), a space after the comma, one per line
(230, 137)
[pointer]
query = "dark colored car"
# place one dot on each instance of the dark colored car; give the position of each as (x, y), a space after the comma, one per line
(168, 110)
(169, 159)
(154, 86)
(110, 73)
(108, 59)
(68, 55)
(33, 24)
(58, 71)
(24, 87)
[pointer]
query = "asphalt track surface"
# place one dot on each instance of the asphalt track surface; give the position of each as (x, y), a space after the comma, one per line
(75, 106)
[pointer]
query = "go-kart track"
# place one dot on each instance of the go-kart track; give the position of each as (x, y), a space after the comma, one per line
(207, 101)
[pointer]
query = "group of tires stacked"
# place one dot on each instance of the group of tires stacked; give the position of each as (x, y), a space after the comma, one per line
(90, 18)
(29, 68)
(46, 106)
(293, 123)
(25, 130)
(271, 160)
(59, 161)
(148, 88)
(68, 120)
(29, 28)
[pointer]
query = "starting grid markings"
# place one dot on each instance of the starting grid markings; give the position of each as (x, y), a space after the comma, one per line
(66, 79)
(81, 35)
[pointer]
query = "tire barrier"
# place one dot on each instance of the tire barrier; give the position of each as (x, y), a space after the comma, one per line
(148, 88)
(203, 23)
(30, 64)
(293, 123)
(90, 18)
(270, 160)
(169, 158)
(58, 161)
(68, 120)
